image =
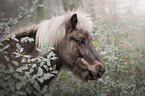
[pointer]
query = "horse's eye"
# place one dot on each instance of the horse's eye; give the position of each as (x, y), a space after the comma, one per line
(80, 42)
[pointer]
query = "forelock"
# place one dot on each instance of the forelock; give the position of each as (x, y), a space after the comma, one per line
(53, 31)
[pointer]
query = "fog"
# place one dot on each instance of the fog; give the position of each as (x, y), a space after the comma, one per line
(132, 11)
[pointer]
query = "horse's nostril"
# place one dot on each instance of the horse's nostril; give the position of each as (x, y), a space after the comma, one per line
(101, 71)
(91, 73)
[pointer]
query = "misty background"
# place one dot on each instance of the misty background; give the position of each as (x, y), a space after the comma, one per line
(119, 37)
(110, 9)
(130, 10)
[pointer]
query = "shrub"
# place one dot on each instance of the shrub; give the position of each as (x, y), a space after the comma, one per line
(123, 60)
(124, 63)
(24, 79)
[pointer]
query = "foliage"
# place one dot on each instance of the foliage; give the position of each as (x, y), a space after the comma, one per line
(25, 78)
(124, 63)
(7, 23)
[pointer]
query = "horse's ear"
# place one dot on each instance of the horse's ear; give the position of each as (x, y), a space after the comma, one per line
(72, 22)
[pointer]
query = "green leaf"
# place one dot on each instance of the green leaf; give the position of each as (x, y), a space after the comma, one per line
(55, 72)
(15, 39)
(7, 58)
(44, 89)
(28, 90)
(47, 76)
(103, 53)
(18, 86)
(33, 59)
(40, 72)
(22, 68)
(5, 47)
(36, 86)
(34, 65)
(16, 63)
(23, 60)
(18, 46)
(40, 80)
(21, 50)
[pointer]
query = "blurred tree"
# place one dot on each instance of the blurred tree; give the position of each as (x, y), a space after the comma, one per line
(53, 7)
(40, 12)
(69, 4)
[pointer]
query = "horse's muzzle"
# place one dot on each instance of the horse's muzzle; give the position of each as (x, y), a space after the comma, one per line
(95, 74)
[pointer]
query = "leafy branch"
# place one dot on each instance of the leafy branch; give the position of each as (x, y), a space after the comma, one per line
(14, 21)
(129, 31)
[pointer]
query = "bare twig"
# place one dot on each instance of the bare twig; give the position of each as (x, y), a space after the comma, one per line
(128, 32)
(17, 22)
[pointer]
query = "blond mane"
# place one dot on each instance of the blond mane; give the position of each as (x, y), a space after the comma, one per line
(52, 31)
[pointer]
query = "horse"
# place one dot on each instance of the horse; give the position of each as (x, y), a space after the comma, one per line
(70, 35)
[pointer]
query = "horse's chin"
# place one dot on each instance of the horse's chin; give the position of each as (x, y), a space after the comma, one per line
(92, 78)
(84, 75)
(87, 76)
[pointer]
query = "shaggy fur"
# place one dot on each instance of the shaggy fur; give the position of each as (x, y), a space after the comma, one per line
(70, 35)
(53, 31)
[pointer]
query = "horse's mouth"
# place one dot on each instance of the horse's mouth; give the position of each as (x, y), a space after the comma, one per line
(93, 76)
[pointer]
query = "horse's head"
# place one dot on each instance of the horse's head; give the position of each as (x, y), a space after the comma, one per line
(77, 52)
